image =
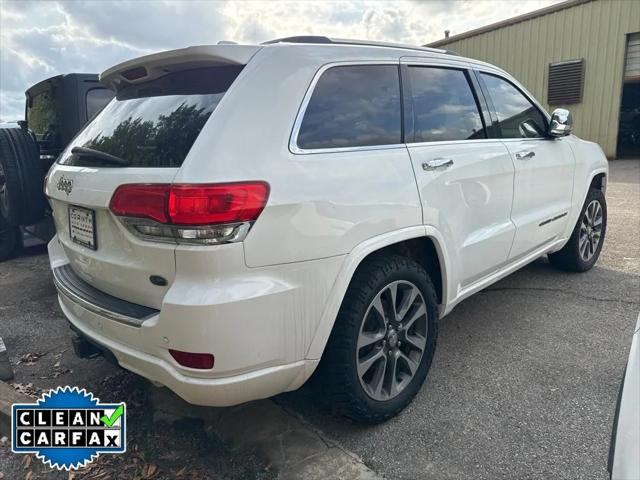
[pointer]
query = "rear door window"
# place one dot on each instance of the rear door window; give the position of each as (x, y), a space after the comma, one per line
(517, 116)
(155, 123)
(353, 106)
(444, 105)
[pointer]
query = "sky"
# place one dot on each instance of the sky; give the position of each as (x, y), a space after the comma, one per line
(42, 38)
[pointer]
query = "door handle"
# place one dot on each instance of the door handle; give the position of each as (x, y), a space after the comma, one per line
(437, 163)
(525, 154)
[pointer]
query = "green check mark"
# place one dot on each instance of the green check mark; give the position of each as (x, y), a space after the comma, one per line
(109, 421)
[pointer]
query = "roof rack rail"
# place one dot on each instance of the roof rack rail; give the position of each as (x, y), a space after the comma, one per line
(318, 39)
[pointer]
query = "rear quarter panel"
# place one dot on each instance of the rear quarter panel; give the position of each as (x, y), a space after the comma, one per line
(321, 205)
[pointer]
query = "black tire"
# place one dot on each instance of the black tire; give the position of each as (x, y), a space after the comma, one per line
(570, 257)
(8, 239)
(338, 369)
(22, 201)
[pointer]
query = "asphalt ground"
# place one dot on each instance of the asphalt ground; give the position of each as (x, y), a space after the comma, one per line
(526, 373)
(523, 383)
(38, 341)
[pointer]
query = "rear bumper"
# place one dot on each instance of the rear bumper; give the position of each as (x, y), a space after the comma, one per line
(80, 292)
(258, 323)
(215, 392)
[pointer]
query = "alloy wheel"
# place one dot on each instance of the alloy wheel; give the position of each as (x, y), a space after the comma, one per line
(392, 340)
(590, 230)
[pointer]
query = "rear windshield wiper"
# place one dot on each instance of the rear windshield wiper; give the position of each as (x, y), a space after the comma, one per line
(90, 152)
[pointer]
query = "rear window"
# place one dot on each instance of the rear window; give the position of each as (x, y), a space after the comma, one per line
(154, 124)
(42, 113)
(353, 106)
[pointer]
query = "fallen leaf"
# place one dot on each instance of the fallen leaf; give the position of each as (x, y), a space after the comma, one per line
(27, 389)
(30, 358)
(149, 470)
(26, 461)
(98, 474)
(29, 475)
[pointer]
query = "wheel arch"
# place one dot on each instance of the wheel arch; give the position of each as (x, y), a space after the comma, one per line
(422, 243)
(582, 183)
(599, 181)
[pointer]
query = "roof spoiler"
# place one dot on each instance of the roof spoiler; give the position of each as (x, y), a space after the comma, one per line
(152, 66)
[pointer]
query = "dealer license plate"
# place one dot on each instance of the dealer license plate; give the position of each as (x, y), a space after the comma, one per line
(82, 227)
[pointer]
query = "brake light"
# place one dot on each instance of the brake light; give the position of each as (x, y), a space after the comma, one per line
(216, 204)
(209, 213)
(141, 201)
(201, 361)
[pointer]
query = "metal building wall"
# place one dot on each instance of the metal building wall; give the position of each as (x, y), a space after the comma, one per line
(594, 30)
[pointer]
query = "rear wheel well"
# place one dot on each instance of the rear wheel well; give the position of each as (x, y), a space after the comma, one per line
(423, 251)
(599, 182)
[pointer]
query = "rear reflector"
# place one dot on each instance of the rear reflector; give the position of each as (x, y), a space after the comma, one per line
(179, 204)
(201, 361)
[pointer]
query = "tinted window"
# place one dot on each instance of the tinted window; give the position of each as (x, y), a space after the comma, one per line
(517, 116)
(97, 98)
(42, 113)
(353, 106)
(443, 105)
(154, 124)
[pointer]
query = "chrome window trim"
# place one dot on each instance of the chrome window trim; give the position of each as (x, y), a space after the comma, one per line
(476, 140)
(293, 139)
(520, 139)
(414, 61)
(454, 142)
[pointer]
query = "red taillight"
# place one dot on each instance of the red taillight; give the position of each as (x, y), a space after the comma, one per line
(141, 201)
(201, 361)
(216, 204)
(191, 204)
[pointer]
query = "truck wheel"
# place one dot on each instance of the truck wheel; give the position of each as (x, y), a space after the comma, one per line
(8, 239)
(21, 178)
(583, 248)
(383, 341)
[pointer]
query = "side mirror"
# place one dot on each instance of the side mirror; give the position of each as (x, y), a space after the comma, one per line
(561, 123)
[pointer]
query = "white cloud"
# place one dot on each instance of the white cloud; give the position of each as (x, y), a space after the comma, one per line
(39, 39)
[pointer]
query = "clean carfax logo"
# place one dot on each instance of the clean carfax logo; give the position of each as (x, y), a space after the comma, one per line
(67, 428)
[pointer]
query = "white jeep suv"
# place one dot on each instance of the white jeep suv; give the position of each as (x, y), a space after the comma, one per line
(240, 215)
